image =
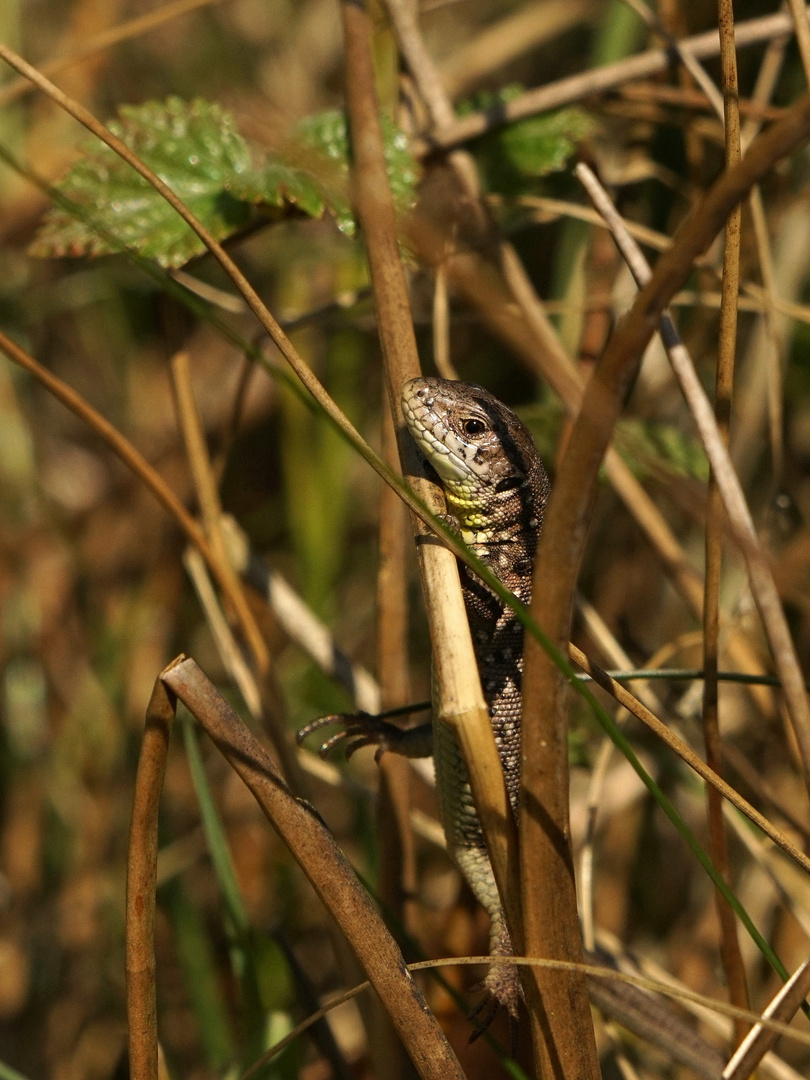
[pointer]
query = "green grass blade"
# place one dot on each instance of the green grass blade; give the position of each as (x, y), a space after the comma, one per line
(199, 966)
(215, 836)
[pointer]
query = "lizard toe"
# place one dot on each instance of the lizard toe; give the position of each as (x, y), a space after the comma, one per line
(501, 989)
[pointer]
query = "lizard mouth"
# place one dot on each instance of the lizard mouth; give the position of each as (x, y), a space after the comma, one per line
(452, 468)
(451, 457)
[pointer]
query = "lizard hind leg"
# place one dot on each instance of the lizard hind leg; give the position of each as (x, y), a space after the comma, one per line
(501, 987)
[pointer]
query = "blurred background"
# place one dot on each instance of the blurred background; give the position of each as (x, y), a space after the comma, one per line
(94, 598)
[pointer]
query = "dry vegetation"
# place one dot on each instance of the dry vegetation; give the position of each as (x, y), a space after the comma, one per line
(98, 592)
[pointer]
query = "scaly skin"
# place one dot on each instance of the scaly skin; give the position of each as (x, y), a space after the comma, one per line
(496, 491)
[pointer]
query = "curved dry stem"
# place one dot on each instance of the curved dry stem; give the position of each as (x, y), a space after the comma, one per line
(773, 1024)
(314, 849)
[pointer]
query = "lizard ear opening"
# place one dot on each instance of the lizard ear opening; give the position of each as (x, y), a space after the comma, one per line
(509, 482)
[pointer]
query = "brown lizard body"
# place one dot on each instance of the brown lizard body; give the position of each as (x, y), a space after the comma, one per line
(496, 490)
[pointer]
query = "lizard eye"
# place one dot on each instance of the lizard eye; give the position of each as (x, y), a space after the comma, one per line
(473, 426)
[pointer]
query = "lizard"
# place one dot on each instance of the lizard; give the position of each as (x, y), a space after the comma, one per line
(496, 490)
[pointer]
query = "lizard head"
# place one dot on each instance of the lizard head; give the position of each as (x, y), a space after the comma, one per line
(481, 450)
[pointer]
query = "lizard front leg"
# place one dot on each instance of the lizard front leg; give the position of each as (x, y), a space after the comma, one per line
(364, 729)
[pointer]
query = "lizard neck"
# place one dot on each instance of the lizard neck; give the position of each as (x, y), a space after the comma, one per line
(502, 527)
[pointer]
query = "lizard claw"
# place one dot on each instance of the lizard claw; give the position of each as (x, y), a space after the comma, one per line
(482, 1016)
(357, 730)
(501, 988)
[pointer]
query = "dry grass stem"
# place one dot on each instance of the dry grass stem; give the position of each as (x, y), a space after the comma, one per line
(299, 621)
(798, 13)
(760, 1038)
(773, 358)
(717, 1016)
(641, 712)
(705, 1007)
(577, 87)
(398, 880)
(226, 645)
(761, 298)
(610, 648)
(767, 77)
(764, 791)
(441, 326)
(724, 384)
(508, 38)
(460, 702)
(685, 56)
(696, 99)
(789, 884)
(208, 498)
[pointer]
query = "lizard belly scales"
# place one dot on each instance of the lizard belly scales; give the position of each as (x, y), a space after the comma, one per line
(496, 490)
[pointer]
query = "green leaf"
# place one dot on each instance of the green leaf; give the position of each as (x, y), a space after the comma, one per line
(513, 158)
(284, 184)
(192, 146)
(544, 144)
(325, 133)
(195, 148)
